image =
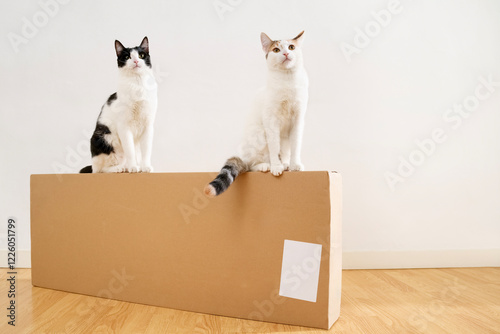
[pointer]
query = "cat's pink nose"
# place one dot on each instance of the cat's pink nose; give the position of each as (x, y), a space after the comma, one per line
(136, 61)
(286, 54)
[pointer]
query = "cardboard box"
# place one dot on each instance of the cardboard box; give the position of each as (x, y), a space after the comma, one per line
(156, 239)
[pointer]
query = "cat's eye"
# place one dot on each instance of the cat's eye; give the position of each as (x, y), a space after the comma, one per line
(291, 47)
(276, 50)
(127, 57)
(142, 55)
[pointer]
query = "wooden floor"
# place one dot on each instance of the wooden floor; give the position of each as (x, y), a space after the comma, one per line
(373, 301)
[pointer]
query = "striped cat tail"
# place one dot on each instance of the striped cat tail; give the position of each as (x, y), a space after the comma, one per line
(233, 167)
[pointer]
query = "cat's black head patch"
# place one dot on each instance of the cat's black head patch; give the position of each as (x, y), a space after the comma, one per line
(143, 54)
(112, 98)
(123, 54)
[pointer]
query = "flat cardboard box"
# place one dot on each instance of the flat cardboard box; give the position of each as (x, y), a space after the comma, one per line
(156, 239)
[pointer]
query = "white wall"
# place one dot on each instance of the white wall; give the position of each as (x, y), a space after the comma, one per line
(366, 110)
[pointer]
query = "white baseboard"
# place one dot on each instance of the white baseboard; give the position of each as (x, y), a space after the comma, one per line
(422, 259)
(23, 258)
(372, 260)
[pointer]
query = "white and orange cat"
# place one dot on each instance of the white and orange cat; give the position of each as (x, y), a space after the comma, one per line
(273, 135)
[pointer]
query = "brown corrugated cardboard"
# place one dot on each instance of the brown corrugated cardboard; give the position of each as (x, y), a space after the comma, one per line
(156, 239)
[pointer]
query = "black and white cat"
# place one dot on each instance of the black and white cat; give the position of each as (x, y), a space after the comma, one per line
(123, 137)
(273, 136)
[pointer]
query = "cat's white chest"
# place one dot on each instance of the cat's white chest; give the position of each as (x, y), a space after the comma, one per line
(286, 98)
(139, 116)
(287, 93)
(138, 113)
(141, 89)
(286, 109)
(137, 99)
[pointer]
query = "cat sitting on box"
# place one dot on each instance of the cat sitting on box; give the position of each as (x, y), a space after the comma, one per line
(123, 136)
(273, 136)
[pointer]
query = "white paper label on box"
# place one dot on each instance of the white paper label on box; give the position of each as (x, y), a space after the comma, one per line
(300, 270)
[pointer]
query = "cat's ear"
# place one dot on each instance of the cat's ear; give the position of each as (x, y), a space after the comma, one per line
(118, 47)
(299, 38)
(145, 44)
(266, 42)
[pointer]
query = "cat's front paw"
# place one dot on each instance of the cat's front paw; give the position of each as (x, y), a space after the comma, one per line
(296, 167)
(262, 167)
(133, 169)
(117, 169)
(146, 169)
(277, 170)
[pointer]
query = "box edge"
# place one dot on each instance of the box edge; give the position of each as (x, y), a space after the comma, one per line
(335, 284)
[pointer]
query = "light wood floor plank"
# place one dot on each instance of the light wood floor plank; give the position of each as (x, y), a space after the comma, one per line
(460, 300)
